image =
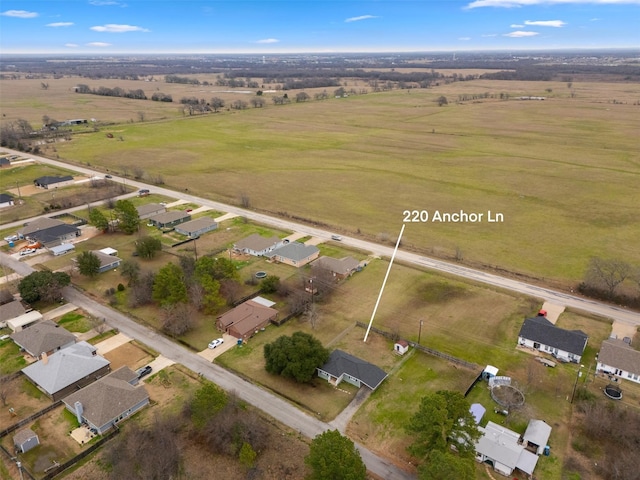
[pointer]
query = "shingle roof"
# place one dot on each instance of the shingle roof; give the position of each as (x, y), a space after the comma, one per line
(148, 208)
(52, 180)
(341, 362)
(294, 251)
(537, 432)
(41, 223)
(107, 398)
(43, 337)
(246, 317)
(256, 242)
(51, 234)
(11, 310)
(616, 353)
(341, 266)
(5, 198)
(539, 329)
(65, 367)
(197, 224)
(105, 260)
(170, 216)
(24, 436)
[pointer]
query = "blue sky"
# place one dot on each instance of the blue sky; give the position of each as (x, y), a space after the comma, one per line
(298, 26)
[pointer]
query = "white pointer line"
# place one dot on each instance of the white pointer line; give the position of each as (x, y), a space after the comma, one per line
(395, 250)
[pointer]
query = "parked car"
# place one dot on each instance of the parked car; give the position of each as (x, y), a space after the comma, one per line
(144, 371)
(337, 238)
(108, 176)
(27, 251)
(11, 238)
(216, 342)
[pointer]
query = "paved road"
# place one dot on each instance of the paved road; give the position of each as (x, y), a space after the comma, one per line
(274, 406)
(615, 313)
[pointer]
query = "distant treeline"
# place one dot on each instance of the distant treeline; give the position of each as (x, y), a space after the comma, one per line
(111, 92)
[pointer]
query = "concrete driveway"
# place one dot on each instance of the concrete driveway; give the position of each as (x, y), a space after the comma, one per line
(158, 364)
(211, 353)
(112, 343)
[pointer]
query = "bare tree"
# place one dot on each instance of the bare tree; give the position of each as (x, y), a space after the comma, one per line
(178, 318)
(6, 388)
(607, 274)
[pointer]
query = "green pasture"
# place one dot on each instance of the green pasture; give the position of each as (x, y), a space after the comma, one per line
(563, 171)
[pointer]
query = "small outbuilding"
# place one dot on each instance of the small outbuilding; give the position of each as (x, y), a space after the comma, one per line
(62, 249)
(25, 440)
(536, 436)
(401, 347)
(478, 411)
(489, 372)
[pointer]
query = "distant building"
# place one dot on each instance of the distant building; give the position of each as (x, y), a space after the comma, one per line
(49, 232)
(620, 359)
(197, 227)
(6, 200)
(49, 182)
(339, 268)
(257, 245)
(150, 209)
(107, 261)
(295, 254)
(169, 219)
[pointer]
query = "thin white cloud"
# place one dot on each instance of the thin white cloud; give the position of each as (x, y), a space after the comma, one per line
(546, 23)
(102, 3)
(115, 28)
(19, 14)
(515, 25)
(464, 39)
(486, 35)
(520, 34)
(59, 24)
(528, 3)
(71, 45)
(98, 44)
(268, 40)
(360, 18)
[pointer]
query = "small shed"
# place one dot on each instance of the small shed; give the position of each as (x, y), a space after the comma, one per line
(62, 249)
(489, 372)
(25, 440)
(109, 251)
(401, 347)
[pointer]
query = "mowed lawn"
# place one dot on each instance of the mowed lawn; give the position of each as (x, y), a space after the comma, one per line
(563, 171)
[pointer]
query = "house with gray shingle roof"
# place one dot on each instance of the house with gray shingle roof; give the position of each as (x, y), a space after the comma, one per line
(150, 209)
(11, 310)
(343, 366)
(169, 219)
(43, 337)
(339, 267)
(620, 359)
(295, 254)
(258, 245)
(540, 334)
(49, 231)
(67, 370)
(197, 227)
(109, 400)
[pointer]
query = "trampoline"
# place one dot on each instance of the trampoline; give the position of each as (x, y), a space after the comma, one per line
(613, 392)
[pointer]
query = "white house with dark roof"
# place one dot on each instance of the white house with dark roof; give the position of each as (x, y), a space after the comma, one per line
(295, 254)
(67, 370)
(343, 366)
(11, 310)
(109, 400)
(540, 334)
(620, 359)
(45, 337)
(258, 245)
(6, 200)
(53, 181)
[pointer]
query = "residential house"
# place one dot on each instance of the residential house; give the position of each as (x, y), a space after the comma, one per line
(5, 162)
(343, 366)
(540, 334)
(295, 254)
(49, 182)
(499, 447)
(257, 245)
(25, 439)
(536, 436)
(46, 337)
(6, 200)
(11, 310)
(197, 227)
(24, 321)
(5, 296)
(67, 370)
(618, 358)
(108, 400)
(339, 268)
(49, 232)
(107, 261)
(150, 209)
(169, 219)
(247, 318)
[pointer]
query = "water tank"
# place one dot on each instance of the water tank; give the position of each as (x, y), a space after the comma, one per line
(11, 244)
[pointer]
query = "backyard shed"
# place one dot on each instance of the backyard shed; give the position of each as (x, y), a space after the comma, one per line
(401, 347)
(489, 372)
(25, 440)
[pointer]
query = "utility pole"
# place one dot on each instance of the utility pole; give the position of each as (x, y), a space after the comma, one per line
(420, 331)
(578, 375)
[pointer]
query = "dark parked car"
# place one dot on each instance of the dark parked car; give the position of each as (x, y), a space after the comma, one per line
(144, 371)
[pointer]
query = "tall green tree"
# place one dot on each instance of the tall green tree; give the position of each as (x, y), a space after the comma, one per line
(443, 420)
(44, 285)
(98, 219)
(207, 401)
(128, 218)
(148, 246)
(447, 466)
(88, 264)
(169, 286)
(219, 268)
(295, 357)
(333, 456)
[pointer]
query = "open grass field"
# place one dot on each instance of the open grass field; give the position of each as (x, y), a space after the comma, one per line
(562, 171)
